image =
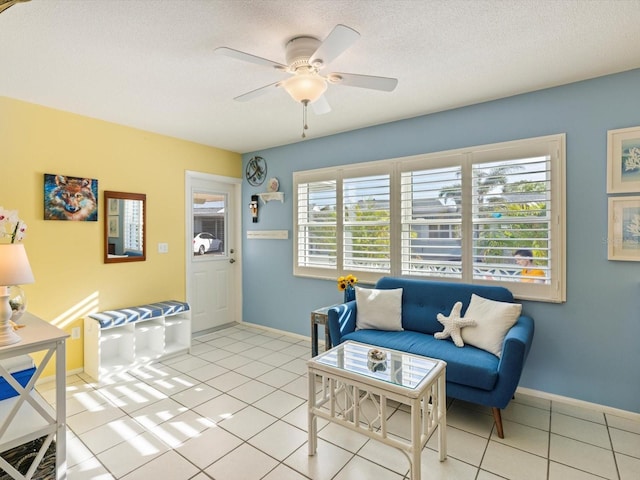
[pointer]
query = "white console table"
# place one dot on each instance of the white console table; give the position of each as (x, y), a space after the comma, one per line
(27, 416)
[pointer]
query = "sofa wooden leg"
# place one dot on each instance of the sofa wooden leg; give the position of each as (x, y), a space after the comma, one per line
(498, 419)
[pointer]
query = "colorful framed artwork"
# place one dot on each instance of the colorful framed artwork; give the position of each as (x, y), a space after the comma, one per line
(623, 160)
(624, 229)
(70, 198)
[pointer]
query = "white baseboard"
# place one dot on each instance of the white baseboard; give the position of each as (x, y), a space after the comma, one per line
(278, 331)
(579, 403)
(52, 378)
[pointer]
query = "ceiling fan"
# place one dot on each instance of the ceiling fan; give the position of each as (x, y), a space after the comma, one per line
(305, 57)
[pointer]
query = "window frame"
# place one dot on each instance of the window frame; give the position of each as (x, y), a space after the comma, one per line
(553, 146)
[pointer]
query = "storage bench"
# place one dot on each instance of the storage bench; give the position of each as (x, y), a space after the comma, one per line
(117, 340)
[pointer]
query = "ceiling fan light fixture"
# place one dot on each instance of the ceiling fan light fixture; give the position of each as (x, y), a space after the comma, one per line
(307, 87)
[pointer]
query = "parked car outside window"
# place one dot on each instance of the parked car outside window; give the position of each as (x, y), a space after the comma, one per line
(205, 242)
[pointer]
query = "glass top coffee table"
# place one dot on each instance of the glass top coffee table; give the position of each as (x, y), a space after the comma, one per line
(352, 384)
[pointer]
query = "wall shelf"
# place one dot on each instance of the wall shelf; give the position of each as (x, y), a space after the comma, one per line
(269, 196)
(268, 234)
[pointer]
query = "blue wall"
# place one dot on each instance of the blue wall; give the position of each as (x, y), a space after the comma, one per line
(587, 348)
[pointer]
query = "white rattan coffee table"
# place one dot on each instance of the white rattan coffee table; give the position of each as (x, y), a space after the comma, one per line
(347, 388)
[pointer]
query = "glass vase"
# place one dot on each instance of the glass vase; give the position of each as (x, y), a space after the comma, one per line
(18, 302)
(349, 294)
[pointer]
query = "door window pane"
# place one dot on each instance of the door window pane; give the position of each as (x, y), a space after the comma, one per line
(209, 223)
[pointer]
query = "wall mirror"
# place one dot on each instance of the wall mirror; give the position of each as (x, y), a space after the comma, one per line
(125, 227)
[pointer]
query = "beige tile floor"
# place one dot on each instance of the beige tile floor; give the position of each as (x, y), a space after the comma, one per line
(235, 409)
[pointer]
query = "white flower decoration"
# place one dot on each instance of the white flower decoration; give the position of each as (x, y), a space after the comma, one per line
(11, 226)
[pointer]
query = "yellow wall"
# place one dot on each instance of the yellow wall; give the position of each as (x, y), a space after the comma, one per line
(67, 257)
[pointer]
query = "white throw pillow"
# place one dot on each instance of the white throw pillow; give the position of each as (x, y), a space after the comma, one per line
(493, 321)
(379, 309)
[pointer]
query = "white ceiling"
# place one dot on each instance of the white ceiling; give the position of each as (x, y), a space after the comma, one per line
(150, 64)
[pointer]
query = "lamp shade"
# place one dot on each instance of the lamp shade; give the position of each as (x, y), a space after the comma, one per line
(305, 87)
(14, 265)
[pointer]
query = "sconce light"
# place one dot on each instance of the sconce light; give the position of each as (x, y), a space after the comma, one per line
(253, 206)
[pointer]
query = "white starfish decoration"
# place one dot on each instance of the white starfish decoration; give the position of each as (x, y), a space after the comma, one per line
(452, 325)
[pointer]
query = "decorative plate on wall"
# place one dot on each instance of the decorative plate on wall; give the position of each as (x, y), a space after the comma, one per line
(256, 171)
(273, 184)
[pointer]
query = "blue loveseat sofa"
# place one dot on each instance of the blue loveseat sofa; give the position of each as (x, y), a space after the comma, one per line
(473, 375)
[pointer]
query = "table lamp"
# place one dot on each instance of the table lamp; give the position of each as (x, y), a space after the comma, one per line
(14, 270)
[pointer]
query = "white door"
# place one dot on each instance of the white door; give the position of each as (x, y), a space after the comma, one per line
(213, 267)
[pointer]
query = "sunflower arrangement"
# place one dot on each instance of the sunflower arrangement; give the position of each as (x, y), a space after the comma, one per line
(346, 282)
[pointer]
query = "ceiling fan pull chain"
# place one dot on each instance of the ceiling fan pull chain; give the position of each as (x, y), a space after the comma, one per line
(305, 103)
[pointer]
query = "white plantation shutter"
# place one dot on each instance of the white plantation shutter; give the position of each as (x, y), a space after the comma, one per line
(316, 224)
(133, 225)
(512, 210)
(367, 223)
(431, 215)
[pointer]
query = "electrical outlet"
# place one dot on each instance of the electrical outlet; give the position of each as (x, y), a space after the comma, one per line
(163, 248)
(75, 333)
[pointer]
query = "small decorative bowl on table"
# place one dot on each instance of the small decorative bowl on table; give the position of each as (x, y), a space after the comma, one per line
(377, 360)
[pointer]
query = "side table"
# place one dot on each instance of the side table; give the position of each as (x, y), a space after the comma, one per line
(26, 417)
(346, 390)
(320, 316)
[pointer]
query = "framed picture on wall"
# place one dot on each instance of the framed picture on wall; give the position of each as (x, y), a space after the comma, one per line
(70, 198)
(114, 221)
(623, 160)
(114, 206)
(624, 228)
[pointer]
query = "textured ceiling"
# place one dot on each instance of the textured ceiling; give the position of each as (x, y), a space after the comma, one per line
(150, 64)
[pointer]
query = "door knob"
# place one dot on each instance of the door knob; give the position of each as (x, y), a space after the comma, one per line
(232, 260)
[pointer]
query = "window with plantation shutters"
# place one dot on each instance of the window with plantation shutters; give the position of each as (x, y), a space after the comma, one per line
(458, 216)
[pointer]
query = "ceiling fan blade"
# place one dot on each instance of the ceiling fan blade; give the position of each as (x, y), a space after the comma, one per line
(247, 57)
(4, 4)
(321, 106)
(386, 84)
(245, 97)
(340, 38)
